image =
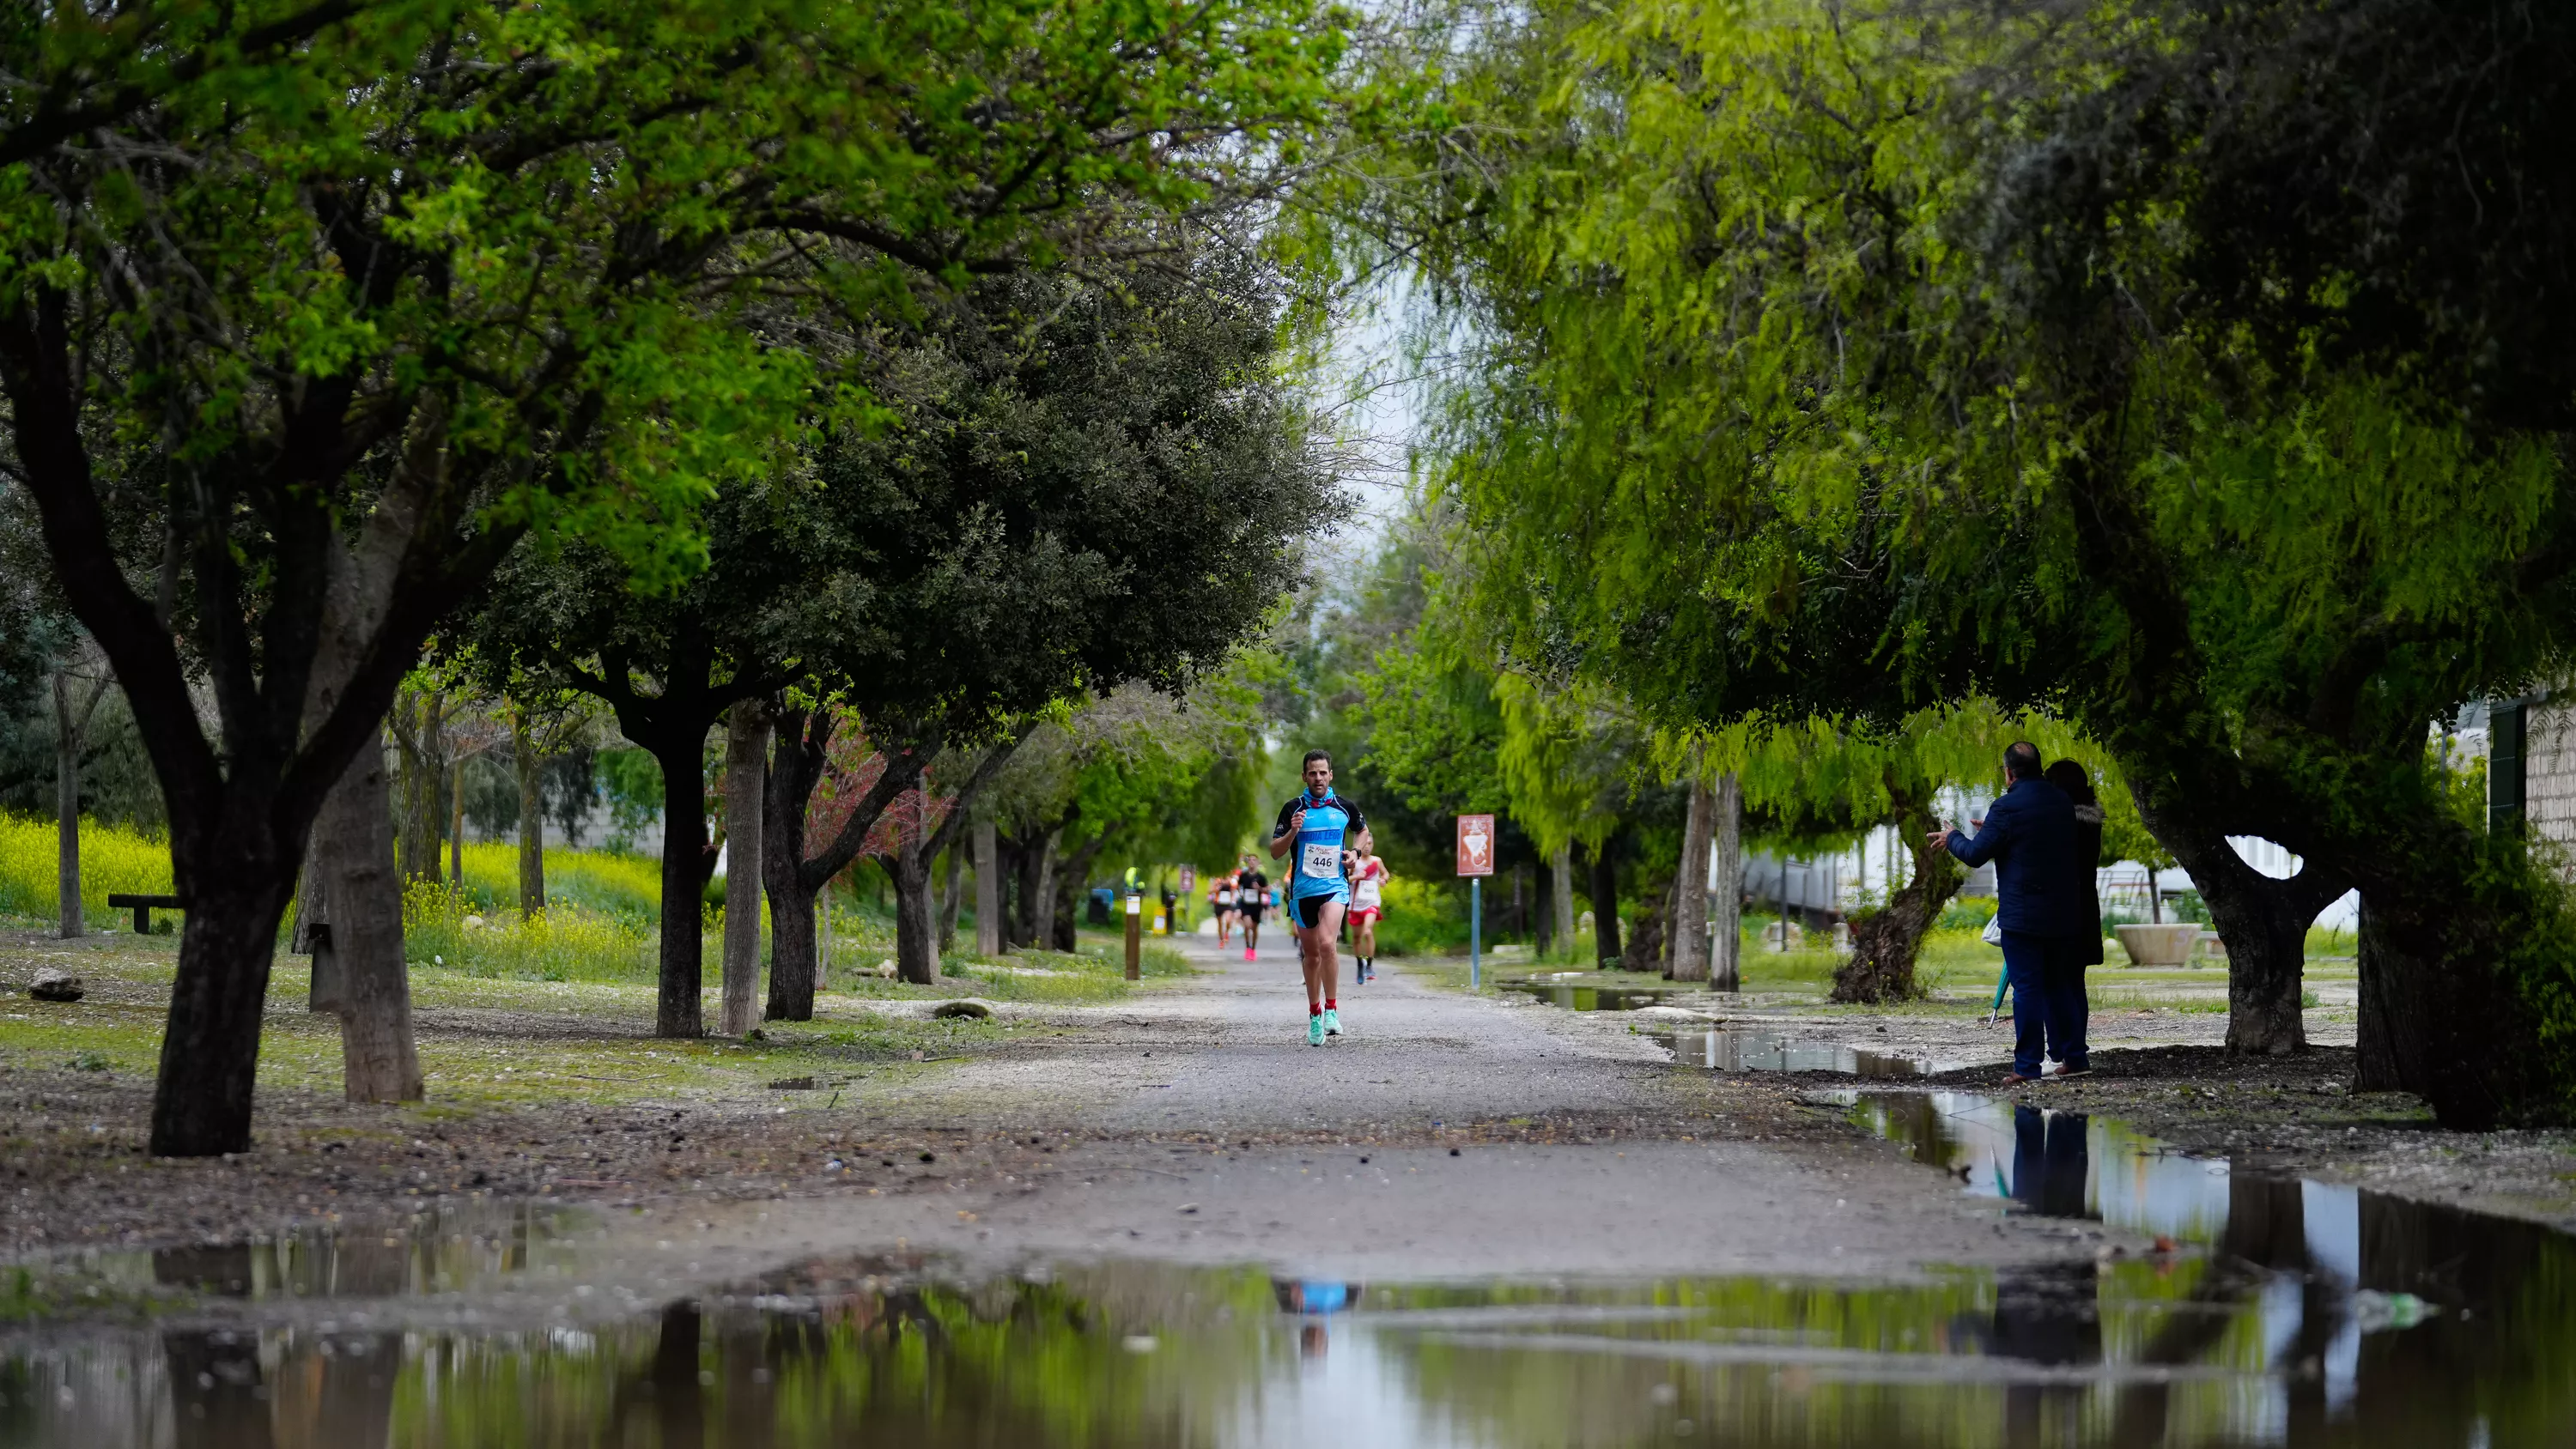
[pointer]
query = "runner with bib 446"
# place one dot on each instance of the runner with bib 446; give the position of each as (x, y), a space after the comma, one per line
(1316, 825)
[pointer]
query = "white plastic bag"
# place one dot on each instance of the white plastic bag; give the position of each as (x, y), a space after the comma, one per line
(1994, 933)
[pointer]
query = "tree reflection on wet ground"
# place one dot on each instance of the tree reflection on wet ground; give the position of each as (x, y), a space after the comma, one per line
(2282, 1312)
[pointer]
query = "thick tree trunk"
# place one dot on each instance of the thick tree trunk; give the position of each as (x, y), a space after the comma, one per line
(532, 819)
(2263, 921)
(1726, 895)
(796, 967)
(1561, 893)
(1689, 928)
(354, 858)
(677, 1010)
(236, 890)
(1886, 942)
(948, 899)
(916, 930)
(988, 890)
(1605, 904)
(746, 756)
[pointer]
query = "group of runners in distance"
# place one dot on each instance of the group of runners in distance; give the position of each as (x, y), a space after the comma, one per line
(1333, 870)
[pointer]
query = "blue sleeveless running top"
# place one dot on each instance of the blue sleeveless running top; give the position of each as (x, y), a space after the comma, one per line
(1315, 861)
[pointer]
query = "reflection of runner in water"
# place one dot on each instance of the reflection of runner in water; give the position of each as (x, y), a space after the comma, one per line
(1314, 1295)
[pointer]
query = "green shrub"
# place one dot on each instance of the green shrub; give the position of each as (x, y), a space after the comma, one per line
(1966, 913)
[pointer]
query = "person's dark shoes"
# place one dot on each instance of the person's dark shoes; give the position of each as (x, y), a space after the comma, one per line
(2016, 1079)
(2071, 1069)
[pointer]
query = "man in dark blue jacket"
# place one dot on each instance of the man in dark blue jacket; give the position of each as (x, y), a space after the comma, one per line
(2045, 911)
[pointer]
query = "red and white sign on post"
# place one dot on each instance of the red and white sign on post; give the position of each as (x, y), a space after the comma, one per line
(1189, 879)
(1475, 845)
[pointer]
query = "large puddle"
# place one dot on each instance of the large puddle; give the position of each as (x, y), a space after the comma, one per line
(1748, 1051)
(2288, 1313)
(1574, 996)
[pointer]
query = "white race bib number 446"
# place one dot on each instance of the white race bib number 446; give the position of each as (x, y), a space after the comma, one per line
(1319, 861)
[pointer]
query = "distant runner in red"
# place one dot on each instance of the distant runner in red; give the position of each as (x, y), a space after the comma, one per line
(1368, 901)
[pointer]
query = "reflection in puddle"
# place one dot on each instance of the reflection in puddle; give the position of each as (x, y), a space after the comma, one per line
(1744, 1051)
(1575, 997)
(2354, 1303)
(2264, 1342)
(2304, 1314)
(445, 1250)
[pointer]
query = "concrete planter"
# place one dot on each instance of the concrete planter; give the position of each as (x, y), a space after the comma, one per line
(2158, 945)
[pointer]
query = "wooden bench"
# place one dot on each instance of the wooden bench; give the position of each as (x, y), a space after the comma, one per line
(143, 907)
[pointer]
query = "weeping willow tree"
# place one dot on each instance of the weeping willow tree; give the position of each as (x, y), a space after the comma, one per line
(1840, 361)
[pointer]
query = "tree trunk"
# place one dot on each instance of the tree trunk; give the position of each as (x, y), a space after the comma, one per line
(236, 889)
(916, 930)
(354, 858)
(948, 899)
(1049, 881)
(1561, 893)
(1726, 894)
(421, 728)
(67, 857)
(988, 891)
(796, 967)
(1886, 942)
(685, 864)
(1605, 904)
(1067, 910)
(532, 821)
(1646, 935)
(1520, 900)
(456, 826)
(310, 934)
(2263, 921)
(1689, 928)
(746, 755)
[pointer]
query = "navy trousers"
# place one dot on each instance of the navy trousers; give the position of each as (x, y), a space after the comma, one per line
(2047, 977)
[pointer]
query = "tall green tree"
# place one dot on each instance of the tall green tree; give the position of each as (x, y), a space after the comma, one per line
(346, 301)
(1840, 361)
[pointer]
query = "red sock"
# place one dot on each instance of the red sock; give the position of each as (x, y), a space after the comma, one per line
(1313, 1010)
(1331, 1005)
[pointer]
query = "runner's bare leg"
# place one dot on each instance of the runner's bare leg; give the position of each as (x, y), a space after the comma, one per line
(1318, 953)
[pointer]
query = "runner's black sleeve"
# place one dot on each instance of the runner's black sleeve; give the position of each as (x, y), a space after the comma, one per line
(1284, 812)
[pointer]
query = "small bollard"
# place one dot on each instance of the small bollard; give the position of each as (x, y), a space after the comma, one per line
(1135, 932)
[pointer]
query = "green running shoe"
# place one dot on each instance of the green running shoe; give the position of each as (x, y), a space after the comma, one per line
(1314, 1031)
(1332, 1022)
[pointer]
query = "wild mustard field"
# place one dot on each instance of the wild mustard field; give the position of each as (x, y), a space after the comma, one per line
(115, 859)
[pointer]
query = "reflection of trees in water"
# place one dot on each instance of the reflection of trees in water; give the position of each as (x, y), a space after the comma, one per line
(837, 1353)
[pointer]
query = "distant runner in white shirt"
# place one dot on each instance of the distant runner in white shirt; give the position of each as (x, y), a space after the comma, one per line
(1368, 901)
